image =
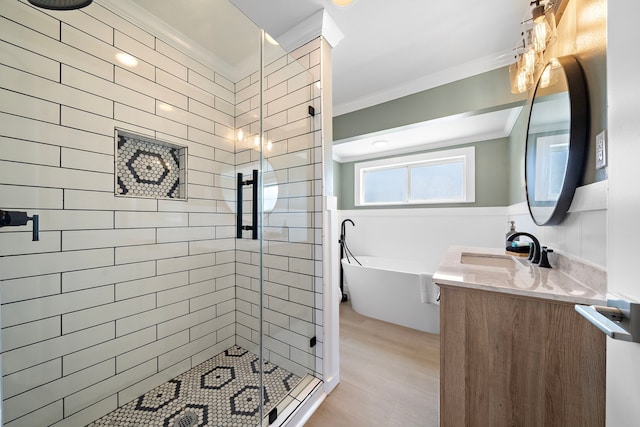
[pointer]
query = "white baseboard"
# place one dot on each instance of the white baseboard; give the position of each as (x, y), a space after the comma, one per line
(332, 383)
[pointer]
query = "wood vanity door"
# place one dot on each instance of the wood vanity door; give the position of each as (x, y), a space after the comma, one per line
(512, 361)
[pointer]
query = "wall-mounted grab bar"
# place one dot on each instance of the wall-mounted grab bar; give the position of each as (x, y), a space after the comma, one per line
(254, 214)
(16, 218)
(619, 319)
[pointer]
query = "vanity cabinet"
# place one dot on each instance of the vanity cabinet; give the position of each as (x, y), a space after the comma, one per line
(509, 360)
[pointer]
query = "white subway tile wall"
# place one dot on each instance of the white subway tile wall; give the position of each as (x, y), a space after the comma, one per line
(122, 294)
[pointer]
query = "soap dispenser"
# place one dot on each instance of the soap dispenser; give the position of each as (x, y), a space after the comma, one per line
(512, 230)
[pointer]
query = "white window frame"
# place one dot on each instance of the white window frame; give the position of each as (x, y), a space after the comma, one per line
(466, 154)
(544, 146)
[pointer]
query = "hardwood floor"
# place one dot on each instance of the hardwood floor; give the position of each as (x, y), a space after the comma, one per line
(389, 376)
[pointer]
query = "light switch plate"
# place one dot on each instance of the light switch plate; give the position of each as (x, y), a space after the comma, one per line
(601, 149)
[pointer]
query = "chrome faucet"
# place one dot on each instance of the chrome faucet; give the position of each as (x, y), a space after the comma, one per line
(534, 253)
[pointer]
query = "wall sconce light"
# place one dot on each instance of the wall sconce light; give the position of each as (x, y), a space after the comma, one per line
(544, 26)
(539, 33)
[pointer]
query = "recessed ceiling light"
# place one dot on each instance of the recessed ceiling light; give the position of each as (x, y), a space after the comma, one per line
(379, 143)
(126, 59)
(342, 3)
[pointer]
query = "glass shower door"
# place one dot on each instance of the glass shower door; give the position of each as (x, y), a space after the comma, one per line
(292, 218)
(278, 276)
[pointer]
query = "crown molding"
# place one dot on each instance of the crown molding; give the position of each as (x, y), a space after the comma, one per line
(463, 71)
(316, 25)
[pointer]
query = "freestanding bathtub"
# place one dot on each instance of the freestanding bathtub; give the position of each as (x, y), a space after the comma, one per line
(389, 290)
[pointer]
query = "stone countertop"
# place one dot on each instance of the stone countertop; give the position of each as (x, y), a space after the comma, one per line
(517, 278)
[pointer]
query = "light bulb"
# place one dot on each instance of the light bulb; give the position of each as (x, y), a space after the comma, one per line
(540, 32)
(544, 27)
(529, 61)
(522, 81)
(545, 79)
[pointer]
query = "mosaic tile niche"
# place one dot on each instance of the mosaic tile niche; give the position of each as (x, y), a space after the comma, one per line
(149, 168)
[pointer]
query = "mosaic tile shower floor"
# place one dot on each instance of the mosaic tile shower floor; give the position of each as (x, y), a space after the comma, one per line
(221, 392)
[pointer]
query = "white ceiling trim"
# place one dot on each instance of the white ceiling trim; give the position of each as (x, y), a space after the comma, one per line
(318, 24)
(458, 129)
(511, 120)
(440, 78)
(416, 148)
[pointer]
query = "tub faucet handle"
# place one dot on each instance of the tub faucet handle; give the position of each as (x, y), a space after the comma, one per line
(544, 258)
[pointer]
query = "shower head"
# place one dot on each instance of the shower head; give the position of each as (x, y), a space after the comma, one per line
(61, 4)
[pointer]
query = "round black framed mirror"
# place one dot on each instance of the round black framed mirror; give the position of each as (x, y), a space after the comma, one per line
(557, 135)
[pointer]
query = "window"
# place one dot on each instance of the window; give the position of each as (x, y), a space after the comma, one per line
(436, 177)
(552, 154)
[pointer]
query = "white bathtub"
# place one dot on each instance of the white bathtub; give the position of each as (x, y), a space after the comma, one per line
(389, 290)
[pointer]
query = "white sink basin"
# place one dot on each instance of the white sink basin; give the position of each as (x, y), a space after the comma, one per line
(487, 260)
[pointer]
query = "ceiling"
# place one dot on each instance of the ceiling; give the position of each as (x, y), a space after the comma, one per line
(394, 48)
(390, 48)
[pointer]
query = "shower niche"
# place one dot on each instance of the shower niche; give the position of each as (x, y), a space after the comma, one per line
(147, 167)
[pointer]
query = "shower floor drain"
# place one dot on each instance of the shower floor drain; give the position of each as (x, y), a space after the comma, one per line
(189, 419)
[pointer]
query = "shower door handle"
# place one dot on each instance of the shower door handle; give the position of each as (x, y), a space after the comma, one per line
(254, 214)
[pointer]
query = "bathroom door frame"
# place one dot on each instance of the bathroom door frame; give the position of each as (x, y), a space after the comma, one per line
(623, 100)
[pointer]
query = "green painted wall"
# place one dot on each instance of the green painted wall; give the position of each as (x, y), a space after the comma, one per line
(517, 143)
(578, 34)
(454, 98)
(594, 68)
(485, 92)
(581, 32)
(492, 174)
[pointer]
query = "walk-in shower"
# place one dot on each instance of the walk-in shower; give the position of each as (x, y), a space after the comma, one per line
(148, 299)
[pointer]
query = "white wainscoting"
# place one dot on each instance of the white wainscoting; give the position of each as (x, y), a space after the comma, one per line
(423, 234)
(582, 234)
